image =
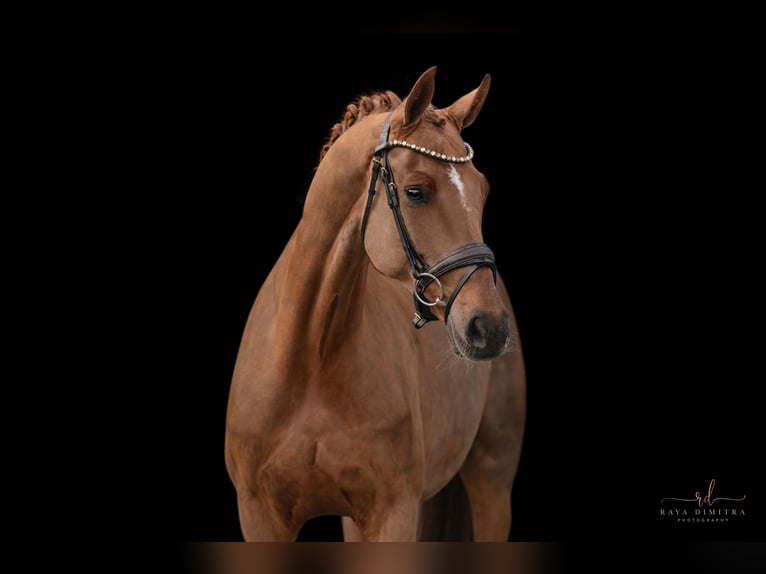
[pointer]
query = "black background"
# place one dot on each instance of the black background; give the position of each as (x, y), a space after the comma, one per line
(622, 214)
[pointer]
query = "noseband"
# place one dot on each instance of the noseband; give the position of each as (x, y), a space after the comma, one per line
(472, 255)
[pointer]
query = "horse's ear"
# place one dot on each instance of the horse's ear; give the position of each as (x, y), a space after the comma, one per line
(419, 97)
(465, 109)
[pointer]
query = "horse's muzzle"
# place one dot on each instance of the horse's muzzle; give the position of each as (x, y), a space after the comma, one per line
(486, 336)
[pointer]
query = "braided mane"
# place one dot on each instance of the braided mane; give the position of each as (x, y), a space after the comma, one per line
(364, 105)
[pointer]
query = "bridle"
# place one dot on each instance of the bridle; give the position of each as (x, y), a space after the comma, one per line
(472, 255)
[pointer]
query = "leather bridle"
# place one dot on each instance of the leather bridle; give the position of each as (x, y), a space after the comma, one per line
(472, 255)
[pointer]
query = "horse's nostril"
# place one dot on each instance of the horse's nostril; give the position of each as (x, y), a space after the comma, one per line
(487, 335)
(478, 329)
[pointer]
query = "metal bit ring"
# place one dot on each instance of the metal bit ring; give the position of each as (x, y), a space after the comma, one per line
(439, 300)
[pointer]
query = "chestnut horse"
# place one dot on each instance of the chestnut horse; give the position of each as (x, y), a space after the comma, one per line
(339, 403)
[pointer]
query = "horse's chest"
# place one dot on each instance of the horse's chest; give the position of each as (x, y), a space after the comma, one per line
(341, 467)
(344, 451)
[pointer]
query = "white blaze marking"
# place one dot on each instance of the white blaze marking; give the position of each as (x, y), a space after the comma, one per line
(454, 177)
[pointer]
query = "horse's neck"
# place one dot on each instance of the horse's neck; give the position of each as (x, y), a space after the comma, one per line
(323, 273)
(322, 281)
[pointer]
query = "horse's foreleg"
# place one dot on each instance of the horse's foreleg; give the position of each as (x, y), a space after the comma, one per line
(490, 506)
(395, 523)
(258, 526)
(488, 474)
(490, 468)
(351, 532)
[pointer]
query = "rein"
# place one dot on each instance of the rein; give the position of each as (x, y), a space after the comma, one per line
(472, 255)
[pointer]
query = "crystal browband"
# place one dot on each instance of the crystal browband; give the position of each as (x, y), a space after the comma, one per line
(434, 154)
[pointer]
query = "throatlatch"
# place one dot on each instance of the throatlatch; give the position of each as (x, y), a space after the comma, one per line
(472, 255)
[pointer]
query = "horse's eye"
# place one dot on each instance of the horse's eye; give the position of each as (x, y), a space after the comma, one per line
(415, 194)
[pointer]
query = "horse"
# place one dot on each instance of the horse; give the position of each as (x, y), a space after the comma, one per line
(341, 406)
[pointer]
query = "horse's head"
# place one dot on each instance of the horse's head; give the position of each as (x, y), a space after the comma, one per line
(432, 235)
